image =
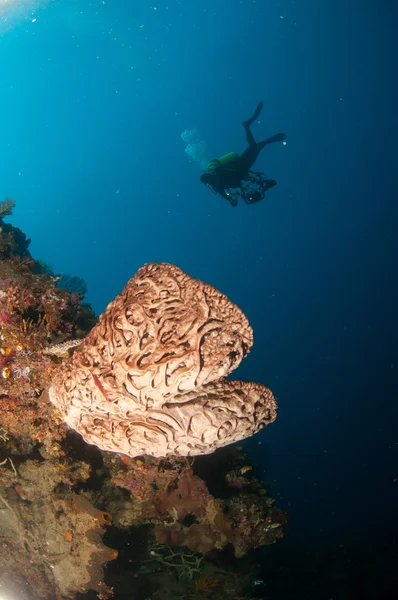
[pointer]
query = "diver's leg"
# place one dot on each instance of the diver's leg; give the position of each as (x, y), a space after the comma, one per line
(248, 158)
(255, 115)
(249, 136)
(246, 124)
(279, 137)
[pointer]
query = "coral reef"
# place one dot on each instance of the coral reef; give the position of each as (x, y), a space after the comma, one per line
(34, 313)
(6, 207)
(150, 376)
(50, 536)
(13, 241)
(74, 284)
(67, 508)
(56, 535)
(169, 495)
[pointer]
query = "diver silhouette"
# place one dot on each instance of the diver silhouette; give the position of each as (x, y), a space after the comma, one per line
(232, 171)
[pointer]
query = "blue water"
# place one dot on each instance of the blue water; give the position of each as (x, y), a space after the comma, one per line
(94, 98)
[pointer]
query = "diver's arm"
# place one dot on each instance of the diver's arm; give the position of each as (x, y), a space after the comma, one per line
(223, 191)
(232, 199)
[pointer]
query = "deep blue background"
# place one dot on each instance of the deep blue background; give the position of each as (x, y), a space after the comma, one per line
(94, 97)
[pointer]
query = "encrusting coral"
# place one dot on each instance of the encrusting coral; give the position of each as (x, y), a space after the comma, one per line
(178, 502)
(57, 536)
(50, 537)
(150, 376)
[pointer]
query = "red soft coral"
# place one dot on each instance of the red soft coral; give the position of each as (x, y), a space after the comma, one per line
(5, 317)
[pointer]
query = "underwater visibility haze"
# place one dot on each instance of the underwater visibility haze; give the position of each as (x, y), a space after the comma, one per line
(123, 124)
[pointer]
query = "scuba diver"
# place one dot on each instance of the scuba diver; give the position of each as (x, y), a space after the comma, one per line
(233, 170)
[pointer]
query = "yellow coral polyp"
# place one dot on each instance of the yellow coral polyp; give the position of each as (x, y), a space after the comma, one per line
(6, 373)
(20, 346)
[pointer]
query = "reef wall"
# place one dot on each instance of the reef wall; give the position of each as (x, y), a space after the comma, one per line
(76, 517)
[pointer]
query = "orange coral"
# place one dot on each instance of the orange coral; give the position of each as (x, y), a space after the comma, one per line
(206, 584)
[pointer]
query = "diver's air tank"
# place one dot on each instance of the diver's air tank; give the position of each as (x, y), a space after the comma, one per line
(223, 160)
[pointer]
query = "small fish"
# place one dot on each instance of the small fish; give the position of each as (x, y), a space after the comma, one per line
(245, 469)
(274, 525)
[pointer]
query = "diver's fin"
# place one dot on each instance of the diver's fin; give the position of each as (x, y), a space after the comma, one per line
(255, 116)
(279, 137)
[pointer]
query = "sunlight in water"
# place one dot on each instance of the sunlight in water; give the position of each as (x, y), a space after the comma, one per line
(15, 12)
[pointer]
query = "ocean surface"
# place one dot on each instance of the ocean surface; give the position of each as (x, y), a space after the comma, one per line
(95, 96)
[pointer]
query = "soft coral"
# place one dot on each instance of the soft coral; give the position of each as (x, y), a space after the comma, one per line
(5, 317)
